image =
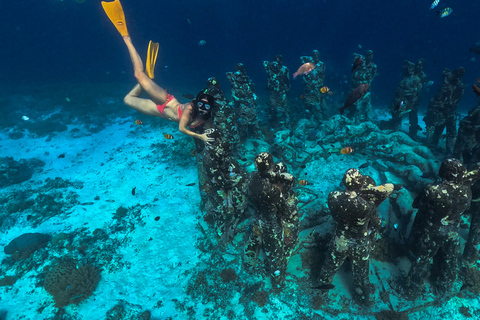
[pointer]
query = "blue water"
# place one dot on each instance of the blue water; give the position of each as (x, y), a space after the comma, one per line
(54, 54)
(51, 41)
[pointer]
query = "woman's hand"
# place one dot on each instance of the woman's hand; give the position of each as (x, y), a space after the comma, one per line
(204, 137)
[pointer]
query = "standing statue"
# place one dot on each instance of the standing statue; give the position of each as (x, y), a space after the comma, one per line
(278, 83)
(244, 97)
(276, 225)
(356, 224)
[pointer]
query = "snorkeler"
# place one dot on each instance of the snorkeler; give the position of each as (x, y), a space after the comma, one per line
(190, 116)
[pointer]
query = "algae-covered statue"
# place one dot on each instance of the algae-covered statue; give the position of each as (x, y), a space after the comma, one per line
(224, 119)
(407, 99)
(355, 213)
(244, 97)
(363, 73)
(442, 109)
(278, 83)
(314, 81)
(226, 186)
(436, 225)
(276, 225)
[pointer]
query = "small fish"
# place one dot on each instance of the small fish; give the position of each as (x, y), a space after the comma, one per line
(190, 184)
(303, 182)
(333, 150)
(356, 94)
(330, 93)
(346, 150)
(434, 4)
(168, 136)
(395, 226)
(363, 166)
(188, 21)
(358, 62)
(303, 166)
(202, 43)
(138, 122)
(304, 69)
(429, 83)
(133, 191)
(406, 111)
(478, 80)
(324, 287)
(445, 12)
(324, 89)
(61, 156)
(25, 118)
(476, 90)
(189, 96)
(193, 152)
(399, 106)
(302, 97)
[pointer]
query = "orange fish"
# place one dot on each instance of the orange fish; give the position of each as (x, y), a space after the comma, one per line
(302, 97)
(346, 150)
(303, 182)
(324, 89)
(168, 136)
(138, 122)
(304, 69)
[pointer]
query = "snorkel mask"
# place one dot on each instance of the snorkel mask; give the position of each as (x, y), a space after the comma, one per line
(204, 102)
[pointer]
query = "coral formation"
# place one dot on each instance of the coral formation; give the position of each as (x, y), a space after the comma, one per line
(71, 284)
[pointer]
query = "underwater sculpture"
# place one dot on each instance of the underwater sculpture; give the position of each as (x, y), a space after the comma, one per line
(363, 73)
(244, 97)
(442, 109)
(313, 82)
(224, 119)
(407, 99)
(226, 184)
(278, 83)
(276, 225)
(436, 225)
(467, 146)
(357, 222)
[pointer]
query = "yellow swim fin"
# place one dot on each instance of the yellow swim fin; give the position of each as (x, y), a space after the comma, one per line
(151, 58)
(115, 13)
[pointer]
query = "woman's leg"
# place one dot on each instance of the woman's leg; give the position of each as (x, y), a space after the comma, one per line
(146, 106)
(154, 91)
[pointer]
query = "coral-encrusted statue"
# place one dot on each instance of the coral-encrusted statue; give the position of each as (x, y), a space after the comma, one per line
(244, 97)
(407, 99)
(436, 225)
(275, 229)
(278, 83)
(314, 81)
(363, 73)
(355, 213)
(442, 109)
(224, 119)
(226, 187)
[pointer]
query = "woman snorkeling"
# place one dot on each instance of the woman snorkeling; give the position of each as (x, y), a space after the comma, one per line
(191, 115)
